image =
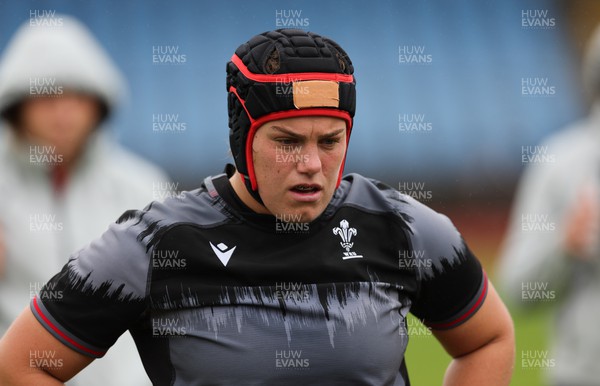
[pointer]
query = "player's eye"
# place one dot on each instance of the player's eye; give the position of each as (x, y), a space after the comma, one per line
(330, 142)
(286, 141)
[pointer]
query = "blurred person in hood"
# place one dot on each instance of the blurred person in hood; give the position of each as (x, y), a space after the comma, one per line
(551, 252)
(63, 179)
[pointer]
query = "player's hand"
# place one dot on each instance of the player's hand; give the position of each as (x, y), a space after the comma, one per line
(582, 231)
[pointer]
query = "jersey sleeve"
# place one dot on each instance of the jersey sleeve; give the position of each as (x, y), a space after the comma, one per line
(452, 284)
(98, 294)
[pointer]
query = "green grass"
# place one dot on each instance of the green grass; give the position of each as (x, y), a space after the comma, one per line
(427, 360)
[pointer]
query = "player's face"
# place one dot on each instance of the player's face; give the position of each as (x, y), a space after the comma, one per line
(297, 162)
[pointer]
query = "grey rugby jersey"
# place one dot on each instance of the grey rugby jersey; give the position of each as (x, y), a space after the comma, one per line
(215, 295)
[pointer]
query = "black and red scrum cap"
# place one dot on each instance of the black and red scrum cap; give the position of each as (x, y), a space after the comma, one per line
(283, 74)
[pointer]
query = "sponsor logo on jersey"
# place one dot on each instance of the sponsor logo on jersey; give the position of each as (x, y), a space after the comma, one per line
(346, 233)
(223, 252)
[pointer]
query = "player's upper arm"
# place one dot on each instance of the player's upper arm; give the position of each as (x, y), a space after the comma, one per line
(30, 355)
(491, 323)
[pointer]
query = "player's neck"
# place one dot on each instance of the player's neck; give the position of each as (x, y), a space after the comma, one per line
(239, 188)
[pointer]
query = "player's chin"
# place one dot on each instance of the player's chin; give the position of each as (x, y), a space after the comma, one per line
(310, 213)
(307, 211)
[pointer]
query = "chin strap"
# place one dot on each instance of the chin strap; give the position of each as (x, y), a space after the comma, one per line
(253, 193)
(230, 170)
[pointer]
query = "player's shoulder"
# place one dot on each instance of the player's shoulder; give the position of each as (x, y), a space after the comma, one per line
(377, 196)
(429, 232)
(365, 193)
(201, 207)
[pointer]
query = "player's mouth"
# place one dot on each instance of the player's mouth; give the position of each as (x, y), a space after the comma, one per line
(307, 192)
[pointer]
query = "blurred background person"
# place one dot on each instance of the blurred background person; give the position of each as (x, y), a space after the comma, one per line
(551, 252)
(62, 178)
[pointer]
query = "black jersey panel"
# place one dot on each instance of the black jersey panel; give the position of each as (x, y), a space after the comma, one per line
(191, 264)
(457, 290)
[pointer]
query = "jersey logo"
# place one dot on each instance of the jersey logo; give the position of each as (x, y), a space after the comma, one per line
(222, 252)
(346, 233)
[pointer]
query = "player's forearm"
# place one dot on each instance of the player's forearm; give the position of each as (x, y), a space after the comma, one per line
(28, 377)
(490, 365)
(18, 370)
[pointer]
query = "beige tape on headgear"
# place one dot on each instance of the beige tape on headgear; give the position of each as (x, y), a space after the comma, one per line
(316, 93)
